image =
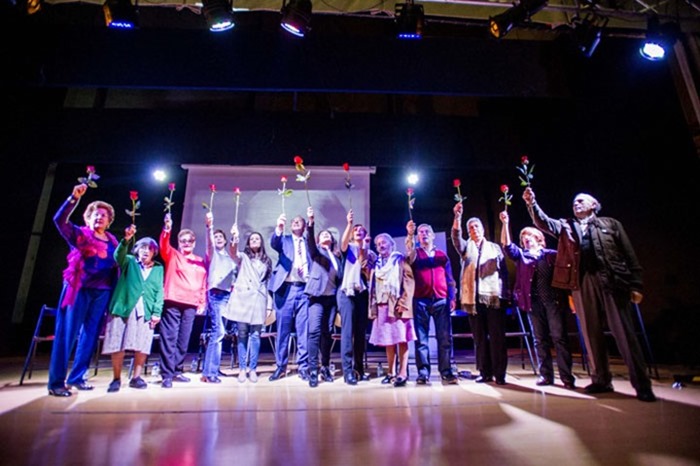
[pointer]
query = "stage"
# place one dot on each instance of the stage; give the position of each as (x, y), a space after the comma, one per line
(288, 423)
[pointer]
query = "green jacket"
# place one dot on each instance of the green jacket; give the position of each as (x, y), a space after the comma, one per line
(131, 286)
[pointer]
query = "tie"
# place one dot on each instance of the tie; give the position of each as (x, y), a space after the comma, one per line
(300, 260)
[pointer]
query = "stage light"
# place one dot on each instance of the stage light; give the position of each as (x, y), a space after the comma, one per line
(296, 17)
(659, 39)
(500, 25)
(159, 175)
(412, 179)
(218, 14)
(33, 7)
(409, 19)
(120, 14)
(588, 32)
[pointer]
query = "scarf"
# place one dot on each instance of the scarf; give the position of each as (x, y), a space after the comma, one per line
(352, 273)
(388, 278)
(86, 246)
(488, 261)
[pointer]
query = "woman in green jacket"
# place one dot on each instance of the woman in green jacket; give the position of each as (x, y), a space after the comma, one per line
(135, 308)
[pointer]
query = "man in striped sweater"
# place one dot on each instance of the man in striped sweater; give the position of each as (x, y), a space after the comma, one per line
(434, 296)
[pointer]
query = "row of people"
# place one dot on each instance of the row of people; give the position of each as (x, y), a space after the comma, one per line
(314, 278)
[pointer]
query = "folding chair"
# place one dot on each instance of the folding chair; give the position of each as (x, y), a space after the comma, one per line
(41, 335)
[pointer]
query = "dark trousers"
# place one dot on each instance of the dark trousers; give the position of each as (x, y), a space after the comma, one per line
(438, 309)
(81, 322)
(548, 322)
(321, 310)
(175, 329)
(594, 304)
(353, 330)
(292, 309)
(488, 327)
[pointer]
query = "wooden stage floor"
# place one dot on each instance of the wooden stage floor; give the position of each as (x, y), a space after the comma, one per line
(288, 423)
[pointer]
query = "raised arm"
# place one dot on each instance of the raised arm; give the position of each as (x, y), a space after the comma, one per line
(456, 235)
(310, 234)
(276, 240)
(209, 222)
(347, 234)
(233, 246)
(65, 227)
(410, 241)
(539, 218)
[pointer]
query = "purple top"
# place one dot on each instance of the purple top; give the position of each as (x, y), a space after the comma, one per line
(533, 276)
(91, 261)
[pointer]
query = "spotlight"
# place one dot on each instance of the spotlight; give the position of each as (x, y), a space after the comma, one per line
(409, 19)
(33, 7)
(296, 16)
(120, 14)
(218, 15)
(588, 32)
(659, 40)
(500, 25)
(412, 179)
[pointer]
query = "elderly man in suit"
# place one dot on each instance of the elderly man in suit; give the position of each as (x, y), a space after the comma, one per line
(321, 288)
(287, 285)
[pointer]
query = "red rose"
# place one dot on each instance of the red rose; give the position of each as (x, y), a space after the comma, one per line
(409, 191)
(212, 188)
(283, 179)
(504, 188)
(90, 169)
(237, 190)
(346, 167)
(171, 186)
(524, 160)
(298, 160)
(133, 195)
(456, 183)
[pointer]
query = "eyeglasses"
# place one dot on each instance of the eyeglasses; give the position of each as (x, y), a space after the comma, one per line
(187, 241)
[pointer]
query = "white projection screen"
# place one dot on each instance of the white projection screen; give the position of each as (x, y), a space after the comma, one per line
(260, 204)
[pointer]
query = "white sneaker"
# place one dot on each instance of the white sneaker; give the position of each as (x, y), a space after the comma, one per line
(253, 376)
(241, 376)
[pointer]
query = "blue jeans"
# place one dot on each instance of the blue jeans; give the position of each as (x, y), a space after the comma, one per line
(217, 300)
(248, 345)
(81, 321)
(423, 309)
(292, 308)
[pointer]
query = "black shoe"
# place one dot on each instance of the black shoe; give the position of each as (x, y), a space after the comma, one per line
(167, 382)
(570, 385)
(646, 395)
(138, 382)
(207, 379)
(542, 381)
(422, 379)
(449, 378)
(303, 374)
(598, 388)
(60, 392)
(500, 380)
(83, 386)
(313, 379)
(364, 378)
(278, 374)
(388, 379)
(114, 386)
(326, 374)
(350, 379)
(180, 378)
(400, 382)
(483, 379)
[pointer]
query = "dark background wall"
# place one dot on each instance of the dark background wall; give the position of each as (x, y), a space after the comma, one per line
(611, 125)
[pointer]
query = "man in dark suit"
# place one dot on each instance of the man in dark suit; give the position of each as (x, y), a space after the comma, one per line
(287, 287)
(321, 287)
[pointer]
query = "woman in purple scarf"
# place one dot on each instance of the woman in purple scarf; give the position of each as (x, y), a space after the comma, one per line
(88, 282)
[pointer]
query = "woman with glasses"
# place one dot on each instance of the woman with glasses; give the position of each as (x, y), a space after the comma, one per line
(185, 296)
